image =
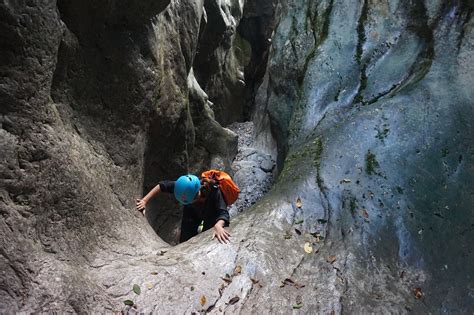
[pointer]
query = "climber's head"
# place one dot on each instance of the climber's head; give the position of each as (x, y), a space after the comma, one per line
(186, 188)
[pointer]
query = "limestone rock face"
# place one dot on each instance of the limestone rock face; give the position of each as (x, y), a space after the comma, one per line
(369, 104)
(94, 106)
(221, 58)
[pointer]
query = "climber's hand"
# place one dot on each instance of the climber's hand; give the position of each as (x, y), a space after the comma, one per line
(220, 233)
(141, 205)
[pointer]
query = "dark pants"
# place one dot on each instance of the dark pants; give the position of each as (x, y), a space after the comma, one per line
(189, 223)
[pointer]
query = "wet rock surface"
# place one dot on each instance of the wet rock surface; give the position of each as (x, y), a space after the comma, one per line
(369, 103)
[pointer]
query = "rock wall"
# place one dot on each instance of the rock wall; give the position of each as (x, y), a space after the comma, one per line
(369, 102)
(95, 105)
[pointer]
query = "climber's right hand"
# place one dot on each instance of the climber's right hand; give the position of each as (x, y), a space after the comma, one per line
(141, 205)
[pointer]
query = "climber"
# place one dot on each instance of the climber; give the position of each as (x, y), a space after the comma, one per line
(201, 200)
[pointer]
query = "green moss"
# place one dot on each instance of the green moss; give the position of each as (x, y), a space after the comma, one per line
(326, 20)
(382, 133)
(296, 162)
(318, 151)
(371, 163)
(294, 25)
(309, 57)
(361, 31)
(363, 85)
(353, 206)
(444, 152)
(320, 28)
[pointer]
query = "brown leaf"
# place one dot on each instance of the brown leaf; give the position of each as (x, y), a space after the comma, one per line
(333, 312)
(290, 282)
(210, 308)
(227, 279)
(221, 289)
(345, 181)
(254, 281)
(299, 286)
(202, 300)
(331, 259)
(299, 204)
(234, 300)
(365, 213)
(154, 273)
(238, 269)
(299, 299)
(418, 293)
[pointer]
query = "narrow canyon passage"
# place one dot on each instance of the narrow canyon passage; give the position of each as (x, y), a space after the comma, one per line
(346, 125)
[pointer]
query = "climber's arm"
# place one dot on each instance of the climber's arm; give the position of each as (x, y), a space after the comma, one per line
(163, 186)
(222, 220)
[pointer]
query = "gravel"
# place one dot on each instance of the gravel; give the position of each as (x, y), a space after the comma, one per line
(253, 169)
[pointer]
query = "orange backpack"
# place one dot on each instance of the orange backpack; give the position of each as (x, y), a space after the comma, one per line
(229, 189)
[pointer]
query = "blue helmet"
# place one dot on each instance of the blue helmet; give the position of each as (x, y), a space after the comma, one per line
(186, 188)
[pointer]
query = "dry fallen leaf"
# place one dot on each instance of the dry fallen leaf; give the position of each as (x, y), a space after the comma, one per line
(238, 269)
(365, 213)
(345, 181)
(227, 279)
(149, 286)
(234, 300)
(418, 293)
(299, 204)
(136, 289)
(331, 259)
(254, 281)
(290, 282)
(154, 273)
(287, 281)
(299, 299)
(297, 306)
(221, 289)
(202, 300)
(308, 248)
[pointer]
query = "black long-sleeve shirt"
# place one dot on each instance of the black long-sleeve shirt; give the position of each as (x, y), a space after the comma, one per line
(210, 211)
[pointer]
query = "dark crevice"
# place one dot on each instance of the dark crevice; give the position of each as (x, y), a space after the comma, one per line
(319, 27)
(464, 19)
(418, 24)
(361, 38)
